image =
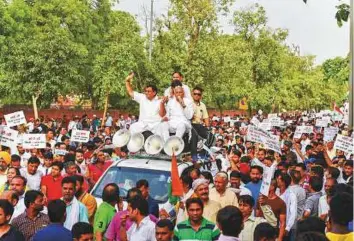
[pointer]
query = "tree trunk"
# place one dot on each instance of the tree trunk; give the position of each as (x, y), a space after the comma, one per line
(35, 109)
(105, 110)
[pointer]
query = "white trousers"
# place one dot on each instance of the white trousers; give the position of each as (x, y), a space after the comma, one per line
(140, 126)
(178, 127)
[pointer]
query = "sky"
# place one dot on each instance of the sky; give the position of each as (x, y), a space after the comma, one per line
(311, 26)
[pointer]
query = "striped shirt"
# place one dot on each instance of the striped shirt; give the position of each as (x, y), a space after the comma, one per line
(207, 231)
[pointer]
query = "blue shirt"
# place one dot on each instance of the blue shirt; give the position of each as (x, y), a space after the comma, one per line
(254, 188)
(53, 232)
(153, 207)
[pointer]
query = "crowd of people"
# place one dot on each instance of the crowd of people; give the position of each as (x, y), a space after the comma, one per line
(45, 193)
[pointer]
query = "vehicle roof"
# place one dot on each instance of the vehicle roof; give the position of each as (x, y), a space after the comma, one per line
(150, 163)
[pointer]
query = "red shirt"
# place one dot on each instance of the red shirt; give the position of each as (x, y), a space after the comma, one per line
(53, 187)
(96, 172)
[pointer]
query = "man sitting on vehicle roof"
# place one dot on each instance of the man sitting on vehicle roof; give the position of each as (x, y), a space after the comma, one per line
(149, 110)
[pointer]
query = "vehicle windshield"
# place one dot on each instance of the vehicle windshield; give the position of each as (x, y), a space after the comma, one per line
(126, 177)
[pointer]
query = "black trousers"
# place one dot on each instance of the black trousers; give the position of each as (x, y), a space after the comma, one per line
(197, 130)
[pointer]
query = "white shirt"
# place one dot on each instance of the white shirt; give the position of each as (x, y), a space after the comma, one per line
(300, 194)
(149, 109)
(323, 206)
(291, 207)
(44, 170)
(187, 92)
(145, 231)
(20, 207)
(33, 181)
(175, 112)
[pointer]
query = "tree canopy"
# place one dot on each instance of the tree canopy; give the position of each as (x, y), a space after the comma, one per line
(85, 48)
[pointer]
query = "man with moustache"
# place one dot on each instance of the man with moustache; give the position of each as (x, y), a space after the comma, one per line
(32, 220)
(256, 181)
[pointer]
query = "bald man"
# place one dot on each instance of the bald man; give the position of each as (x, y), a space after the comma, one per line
(178, 112)
(10, 196)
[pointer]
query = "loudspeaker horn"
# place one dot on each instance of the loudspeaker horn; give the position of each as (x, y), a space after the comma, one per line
(153, 145)
(136, 142)
(121, 138)
(174, 144)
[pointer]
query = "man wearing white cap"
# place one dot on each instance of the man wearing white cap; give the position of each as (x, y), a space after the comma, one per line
(211, 208)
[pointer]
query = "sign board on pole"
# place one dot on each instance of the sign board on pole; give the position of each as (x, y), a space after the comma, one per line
(330, 133)
(15, 119)
(8, 137)
(344, 143)
(34, 141)
(267, 178)
(80, 136)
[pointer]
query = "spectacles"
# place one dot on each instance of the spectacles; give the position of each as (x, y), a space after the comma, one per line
(199, 94)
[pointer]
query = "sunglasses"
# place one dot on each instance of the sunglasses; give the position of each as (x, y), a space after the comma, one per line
(199, 94)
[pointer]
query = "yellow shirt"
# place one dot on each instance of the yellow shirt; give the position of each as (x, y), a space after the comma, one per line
(200, 113)
(225, 199)
(340, 237)
(90, 203)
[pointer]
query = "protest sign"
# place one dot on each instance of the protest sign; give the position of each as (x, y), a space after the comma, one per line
(15, 119)
(255, 134)
(60, 152)
(276, 121)
(272, 115)
(272, 142)
(34, 141)
(260, 136)
(227, 119)
(8, 137)
(344, 143)
(265, 126)
(330, 133)
(302, 129)
(268, 174)
(321, 123)
(255, 121)
(80, 136)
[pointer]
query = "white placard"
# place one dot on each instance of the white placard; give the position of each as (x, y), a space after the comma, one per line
(215, 118)
(268, 174)
(265, 126)
(260, 136)
(272, 115)
(321, 122)
(34, 141)
(80, 136)
(302, 129)
(8, 137)
(15, 119)
(330, 133)
(255, 121)
(60, 152)
(344, 143)
(276, 121)
(305, 118)
(227, 119)
(272, 143)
